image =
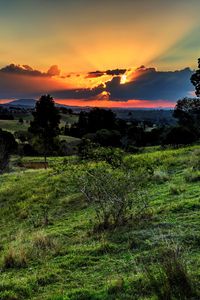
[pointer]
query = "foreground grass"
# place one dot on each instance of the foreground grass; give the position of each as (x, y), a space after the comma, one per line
(48, 249)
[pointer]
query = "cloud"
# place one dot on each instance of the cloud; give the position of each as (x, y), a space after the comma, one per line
(53, 71)
(115, 72)
(143, 84)
(149, 84)
(85, 94)
(29, 71)
(18, 81)
(95, 74)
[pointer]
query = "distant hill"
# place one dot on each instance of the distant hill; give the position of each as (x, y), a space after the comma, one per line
(30, 103)
(26, 103)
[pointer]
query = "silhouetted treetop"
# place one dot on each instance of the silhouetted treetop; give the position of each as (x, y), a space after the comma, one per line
(46, 117)
(195, 79)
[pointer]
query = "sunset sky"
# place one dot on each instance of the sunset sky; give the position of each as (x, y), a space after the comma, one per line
(100, 53)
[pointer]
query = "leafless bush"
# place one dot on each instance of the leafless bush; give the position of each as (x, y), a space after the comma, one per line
(115, 194)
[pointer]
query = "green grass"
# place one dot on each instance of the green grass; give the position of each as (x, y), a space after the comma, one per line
(65, 118)
(13, 125)
(65, 259)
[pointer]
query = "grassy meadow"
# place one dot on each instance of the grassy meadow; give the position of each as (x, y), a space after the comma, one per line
(15, 125)
(51, 248)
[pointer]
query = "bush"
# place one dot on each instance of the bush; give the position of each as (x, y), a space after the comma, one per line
(169, 278)
(8, 295)
(113, 156)
(15, 258)
(160, 176)
(4, 158)
(90, 151)
(43, 242)
(176, 189)
(194, 161)
(115, 194)
(192, 175)
(8, 146)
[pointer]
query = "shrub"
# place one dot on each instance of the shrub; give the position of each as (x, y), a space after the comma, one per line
(160, 176)
(194, 161)
(176, 189)
(15, 258)
(169, 278)
(4, 158)
(44, 242)
(116, 195)
(90, 151)
(8, 295)
(192, 175)
(116, 286)
(113, 156)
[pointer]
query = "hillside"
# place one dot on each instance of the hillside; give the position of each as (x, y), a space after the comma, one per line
(50, 247)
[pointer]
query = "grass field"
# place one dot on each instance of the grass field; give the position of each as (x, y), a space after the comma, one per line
(14, 125)
(65, 259)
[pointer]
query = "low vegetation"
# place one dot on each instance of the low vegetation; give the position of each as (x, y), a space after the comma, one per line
(87, 229)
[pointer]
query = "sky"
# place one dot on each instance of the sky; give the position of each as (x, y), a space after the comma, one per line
(112, 53)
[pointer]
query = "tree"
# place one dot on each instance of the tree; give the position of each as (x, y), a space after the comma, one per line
(179, 135)
(187, 111)
(107, 137)
(96, 119)
(8, 146)
(21, 121)
(45, 125)
(195, 79)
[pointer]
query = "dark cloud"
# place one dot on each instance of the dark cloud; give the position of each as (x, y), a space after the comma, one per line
(53, 71)
(115, 72)
(86, 94)
(29, 71)
(149, 84)
(95, 74)
(145, 84)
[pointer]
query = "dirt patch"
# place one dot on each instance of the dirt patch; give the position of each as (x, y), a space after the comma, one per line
(34, 165)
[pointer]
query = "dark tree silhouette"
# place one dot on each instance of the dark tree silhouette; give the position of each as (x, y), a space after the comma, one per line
(45, 125)
(8, 146)
(179, 136)
(195, 79)
(96, 119)
(21, 121)
(187, 111)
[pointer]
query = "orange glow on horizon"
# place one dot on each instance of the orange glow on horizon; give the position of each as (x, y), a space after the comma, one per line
(111, 104)
(117, 104)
